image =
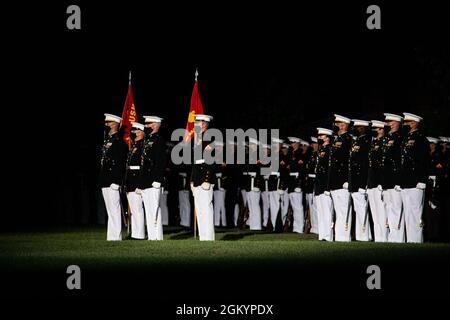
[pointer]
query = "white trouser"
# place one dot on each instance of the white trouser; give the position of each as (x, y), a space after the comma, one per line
(413, 200)
(205, 212)
(274, 201)
(362, 226)
(151, 198)
(393, 204)
(342, 226)
(245, 201)
(137, 215)
(164, 208)
(324, 216)
(185, 208)
(379, 217)
(312, 205)
(265, 207)
(113, 208)
(254, 214)
(219, 208)
(244, 197)
(236, 214)
(296, 201)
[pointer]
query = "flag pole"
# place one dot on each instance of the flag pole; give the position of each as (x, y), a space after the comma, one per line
(129, 77)
(195, 211)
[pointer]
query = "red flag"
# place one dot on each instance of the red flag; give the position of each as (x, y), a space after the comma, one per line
(196, 108)
(129, 114)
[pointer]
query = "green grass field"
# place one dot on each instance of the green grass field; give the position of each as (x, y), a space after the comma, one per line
(52, 249)
(240, 262)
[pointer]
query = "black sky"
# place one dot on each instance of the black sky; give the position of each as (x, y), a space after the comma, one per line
(268, 65)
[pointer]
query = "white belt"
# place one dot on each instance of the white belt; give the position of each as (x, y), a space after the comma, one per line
(294, 174)
(183, 174)
(252, 174)
(311, 175)
(200, 161)
(245, 173)
(275, 173)
(218, 175)
(134, 167)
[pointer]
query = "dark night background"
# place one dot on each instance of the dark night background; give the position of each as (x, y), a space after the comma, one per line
(263, 65)
(287, 66)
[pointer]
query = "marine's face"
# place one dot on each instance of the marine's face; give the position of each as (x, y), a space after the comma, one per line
(394, 125)
(113, 126)
(342, 126)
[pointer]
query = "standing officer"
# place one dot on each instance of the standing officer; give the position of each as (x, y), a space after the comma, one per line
(414, 175)
(321, 193)
(309, 186)
(359, 163)
(339, 178)
(253, 188)
(277, 185)
(220, 218)
(391, 178)
(265, 189)
(203, 179)
(133, 181)
(114, 153)
(433, 196)
(374, 188)
(296, 177)
(184, 202)
(153, 164)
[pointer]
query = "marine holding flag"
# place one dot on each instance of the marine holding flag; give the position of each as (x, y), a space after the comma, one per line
(129, 114)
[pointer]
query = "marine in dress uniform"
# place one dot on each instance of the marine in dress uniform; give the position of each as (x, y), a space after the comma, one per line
(339, 179)
(311, 205)
(163, 202)
(391, 178)
(374, 188)
(153, 165)
(133, 181)
(184, 202)
(203, 178)
(114, 153)
(322, 195)
(296, 177)
(277, 184)
(433, 195)
(220, 218)
(265, 189)
(253, 189)
(359, 163)
(415, 159)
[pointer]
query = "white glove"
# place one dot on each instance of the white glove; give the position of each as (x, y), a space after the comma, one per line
(206, 185)
(114, 186)
(421, 186)
(255, 189)
(361, 190)
(432, 205)
(327, 193)
(345, 185)
(380, 187)
(156, 185)
(280, 191)
(397, 188)
(298, 190)
(138, 191)
(192, 187)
